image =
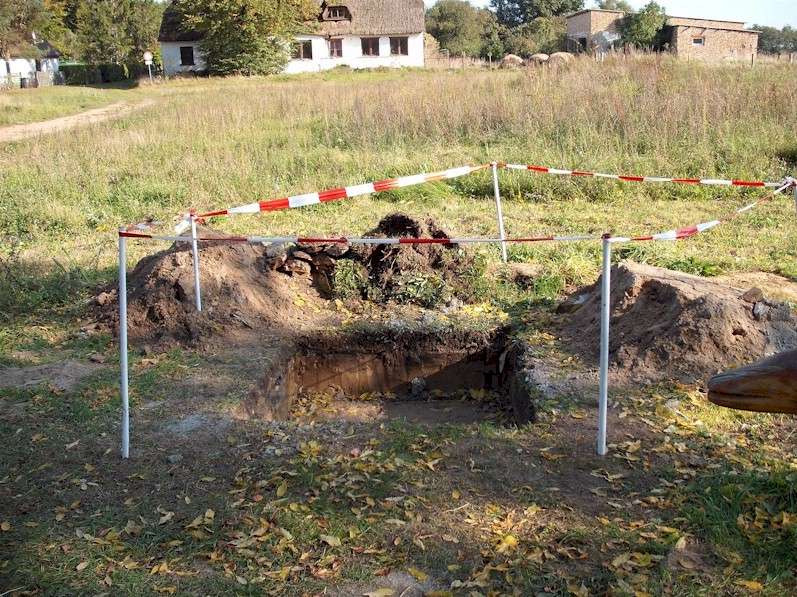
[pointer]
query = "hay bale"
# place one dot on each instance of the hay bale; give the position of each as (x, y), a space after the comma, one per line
(511, 61)
(561, 58)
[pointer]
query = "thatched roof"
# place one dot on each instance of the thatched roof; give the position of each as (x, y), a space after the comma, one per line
(375, 17)
(174, 29)
(368, 17)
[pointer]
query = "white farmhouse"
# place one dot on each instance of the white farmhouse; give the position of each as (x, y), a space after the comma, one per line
(353, 33)
(19, 66)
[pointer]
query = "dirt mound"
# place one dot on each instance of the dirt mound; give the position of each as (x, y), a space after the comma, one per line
(255, 289)
(670, 325)
(423, 274)
(241, 293)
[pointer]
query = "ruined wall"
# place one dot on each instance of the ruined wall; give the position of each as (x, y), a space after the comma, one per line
(717, 45)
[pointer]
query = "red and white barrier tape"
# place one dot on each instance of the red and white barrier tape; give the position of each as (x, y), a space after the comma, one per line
(337, 194)
(355, 241)
(682, 233)
(623, 178)
(670, 235)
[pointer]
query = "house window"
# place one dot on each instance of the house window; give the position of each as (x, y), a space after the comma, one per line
(336, 48)
(370, 46)
(303, 50)
(186, 55)
(399, 46)
(337, 13)
(698, 41)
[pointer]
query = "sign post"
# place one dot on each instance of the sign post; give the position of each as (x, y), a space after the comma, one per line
(148, 62)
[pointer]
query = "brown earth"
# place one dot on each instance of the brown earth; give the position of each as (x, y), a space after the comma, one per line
(251, 290)
(670, 325)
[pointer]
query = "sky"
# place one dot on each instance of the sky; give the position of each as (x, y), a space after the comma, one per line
(775, 13)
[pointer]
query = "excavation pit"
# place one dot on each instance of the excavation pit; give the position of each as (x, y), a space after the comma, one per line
(418, 377)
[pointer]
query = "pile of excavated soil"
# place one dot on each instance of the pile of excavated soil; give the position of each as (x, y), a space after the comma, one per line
(386, 264)
(670, 325)
(241, 293)
(248, 289)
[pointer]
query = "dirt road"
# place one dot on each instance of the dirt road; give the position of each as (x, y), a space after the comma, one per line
(18, 132)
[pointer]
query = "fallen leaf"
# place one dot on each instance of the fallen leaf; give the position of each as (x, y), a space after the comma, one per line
(81, 566)
(751, 585)
(507, 543)
(380, 593)
(5, 526)
(419, 575)
(331, 540)
(282, 489)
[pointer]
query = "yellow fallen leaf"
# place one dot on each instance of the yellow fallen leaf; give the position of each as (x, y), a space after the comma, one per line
(419, 575)
(508, 543)
(750, 585)
(331, 540)
(5, 526)
(680, 545)
(282, 489)
(380, 593)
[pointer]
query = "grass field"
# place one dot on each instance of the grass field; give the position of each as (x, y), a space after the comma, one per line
(76, 520)
(22, 106)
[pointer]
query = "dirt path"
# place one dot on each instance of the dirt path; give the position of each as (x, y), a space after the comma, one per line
(18, 132)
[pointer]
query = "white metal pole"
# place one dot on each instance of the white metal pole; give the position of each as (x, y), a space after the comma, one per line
(603, 400)
(499, 211)
(195, 251)
(123, 387)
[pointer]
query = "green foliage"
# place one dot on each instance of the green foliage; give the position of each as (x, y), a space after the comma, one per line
(615, 5)
(117, 31)
(461, 28)
(776, 41)
(517, 12)
(246, 37)
(544, 34)
(350, 279)
(426, 290)
(18, 20)
(643, 29)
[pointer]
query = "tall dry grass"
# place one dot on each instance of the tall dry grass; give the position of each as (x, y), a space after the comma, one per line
(216, 143)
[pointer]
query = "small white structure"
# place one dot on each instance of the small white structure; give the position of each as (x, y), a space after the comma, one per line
(37, 71)
(354, 33)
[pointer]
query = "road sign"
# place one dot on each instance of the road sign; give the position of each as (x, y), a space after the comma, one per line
(148, 58)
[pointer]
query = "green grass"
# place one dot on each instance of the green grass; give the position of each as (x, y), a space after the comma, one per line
(216, 143)
(23, 106)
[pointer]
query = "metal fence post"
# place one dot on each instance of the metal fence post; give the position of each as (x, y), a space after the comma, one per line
(195, 252)
(123, 385)
(603, 399)
(499, 211)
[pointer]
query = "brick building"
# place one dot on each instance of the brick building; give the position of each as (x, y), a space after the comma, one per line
(698, 39)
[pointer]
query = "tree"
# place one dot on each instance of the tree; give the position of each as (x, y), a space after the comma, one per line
(775, 41)
(456, 25)
(544, 34)
(117, 31)
(517, 12)
(644, 28)
(615, 5)
(19, 19)
(248, 37)
(461, 28)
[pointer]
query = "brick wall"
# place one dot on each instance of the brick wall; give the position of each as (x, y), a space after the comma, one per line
(680, 21)
(579, 25)
(718, 44)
